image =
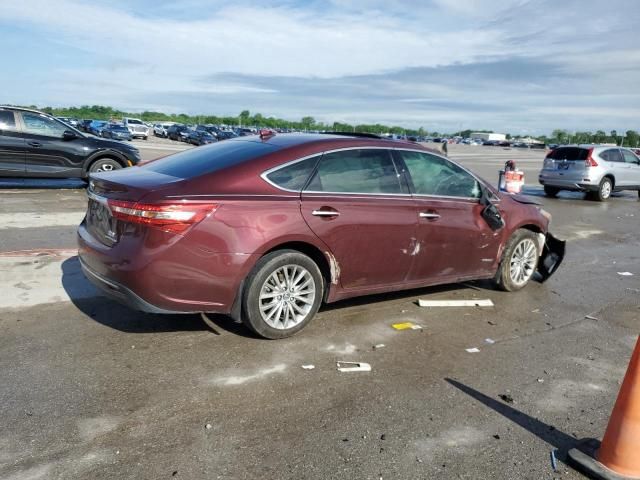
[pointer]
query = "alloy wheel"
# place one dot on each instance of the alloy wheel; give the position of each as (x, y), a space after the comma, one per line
(287, 296)
(523, 262)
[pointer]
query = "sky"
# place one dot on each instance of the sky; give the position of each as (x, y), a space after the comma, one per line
(518, 66)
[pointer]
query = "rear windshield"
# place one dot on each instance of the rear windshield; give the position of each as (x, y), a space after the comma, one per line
(198, 161)
(569, 153)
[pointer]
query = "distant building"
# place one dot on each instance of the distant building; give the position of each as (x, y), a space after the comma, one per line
(488, 136)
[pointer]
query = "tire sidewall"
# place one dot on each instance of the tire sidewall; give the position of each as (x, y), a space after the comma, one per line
(94, 165)
(266, 266)
(602, 183)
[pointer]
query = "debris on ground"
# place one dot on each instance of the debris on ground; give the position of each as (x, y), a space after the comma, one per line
(208, 426)
(491, 322)
(497, 437)
(489, 340)
(455, 303)
(472, 350)
(406, 326)
(308, 367)
(379, 345)
(541, 380)
(554, 461)
(383, 437)
(625, 274)
(537, 310)
(353, 367)
(506, 398)
(591, 317)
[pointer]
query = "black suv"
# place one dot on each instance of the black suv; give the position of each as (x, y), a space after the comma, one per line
(34, 144)
(174, 131)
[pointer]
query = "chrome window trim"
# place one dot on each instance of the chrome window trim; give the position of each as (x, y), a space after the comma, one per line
(264, 174)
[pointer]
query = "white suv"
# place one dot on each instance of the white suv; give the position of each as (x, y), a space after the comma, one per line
(137, 127)
(595, 169)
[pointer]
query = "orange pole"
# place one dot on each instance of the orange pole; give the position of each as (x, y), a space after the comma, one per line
(620, 448)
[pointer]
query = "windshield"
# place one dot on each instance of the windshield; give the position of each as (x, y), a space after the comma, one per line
(133, 121)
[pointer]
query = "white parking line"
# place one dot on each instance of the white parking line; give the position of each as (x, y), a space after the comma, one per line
(40, 219)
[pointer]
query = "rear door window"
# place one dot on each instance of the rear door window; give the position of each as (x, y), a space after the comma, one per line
(433, 175)
(199, 161)
(356, 171)
(569, 153)
(7, 120)
(629, 157)
(37, 124)
(294, 176)
(612, 155)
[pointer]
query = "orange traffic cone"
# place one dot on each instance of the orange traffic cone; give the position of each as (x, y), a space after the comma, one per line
(618, 456)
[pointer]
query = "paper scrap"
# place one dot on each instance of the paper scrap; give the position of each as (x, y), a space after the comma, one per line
(472, 350)
(455, 303)
(406, 326)
(379, 345)
(353, 367)
(308, 367)
(625, 274)
(489, 340)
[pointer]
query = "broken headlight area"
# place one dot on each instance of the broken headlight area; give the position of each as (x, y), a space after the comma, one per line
(552, 256)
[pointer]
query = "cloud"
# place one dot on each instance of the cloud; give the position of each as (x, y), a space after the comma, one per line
(440, 63)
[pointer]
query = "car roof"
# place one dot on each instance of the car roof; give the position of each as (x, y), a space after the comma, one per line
(23, 109)
(286, 140)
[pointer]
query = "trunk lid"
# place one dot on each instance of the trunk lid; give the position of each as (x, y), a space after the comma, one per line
(128, 184)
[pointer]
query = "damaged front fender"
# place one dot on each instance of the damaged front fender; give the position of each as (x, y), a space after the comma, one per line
(552, 256)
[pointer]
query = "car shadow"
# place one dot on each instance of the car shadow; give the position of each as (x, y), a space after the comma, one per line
(548, 433)
(90, 301)
(479, 285)
(42, 183)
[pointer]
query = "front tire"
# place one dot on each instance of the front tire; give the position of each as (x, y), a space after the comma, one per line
(519, 261)
(104, 165)
(282, 294)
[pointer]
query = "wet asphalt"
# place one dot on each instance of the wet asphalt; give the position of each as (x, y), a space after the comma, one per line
(90, 389)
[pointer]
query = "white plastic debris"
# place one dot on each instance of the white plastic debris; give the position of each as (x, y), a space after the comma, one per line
(455, 303)
(472, 350)
(308, 367)
(591, 317)
(379, 345)
(489, 340)
(625, 274)
(353, 367)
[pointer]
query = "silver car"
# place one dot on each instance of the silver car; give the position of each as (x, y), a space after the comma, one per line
(595, 169)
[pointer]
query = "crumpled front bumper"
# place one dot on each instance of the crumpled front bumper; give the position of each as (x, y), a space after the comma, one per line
(552, 255)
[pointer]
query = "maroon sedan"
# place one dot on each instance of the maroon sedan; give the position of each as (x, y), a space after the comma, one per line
(266, 228)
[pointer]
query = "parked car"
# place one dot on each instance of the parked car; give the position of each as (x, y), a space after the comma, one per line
(83, 125)
(173, 132)
(69, 121)
(116, 131)
(137, 127)
(96, 126)
(596, 170)
(160, 129)
(266, 231)
(226, 134)
(34, 144)
(200, 137)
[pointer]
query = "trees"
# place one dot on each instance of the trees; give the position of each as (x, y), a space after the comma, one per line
(632, 138)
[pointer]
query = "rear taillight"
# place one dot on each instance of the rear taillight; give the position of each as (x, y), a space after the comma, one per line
(174, 217)
(590, 162)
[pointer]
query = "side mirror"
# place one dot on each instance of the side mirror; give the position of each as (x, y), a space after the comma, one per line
(69, 135)
(490, 212)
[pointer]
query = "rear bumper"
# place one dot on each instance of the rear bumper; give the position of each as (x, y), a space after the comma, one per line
(159, 272)
(567, 184)
(120, 293)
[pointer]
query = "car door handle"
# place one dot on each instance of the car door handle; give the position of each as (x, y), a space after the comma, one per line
(35, 144)
(325, 213)
(430, 215)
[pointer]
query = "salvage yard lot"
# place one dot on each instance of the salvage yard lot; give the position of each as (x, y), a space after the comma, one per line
(93, 390)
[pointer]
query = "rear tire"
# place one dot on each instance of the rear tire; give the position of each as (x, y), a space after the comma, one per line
(283, 293)
(551, 191)
(604, 190)
(519, 261)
